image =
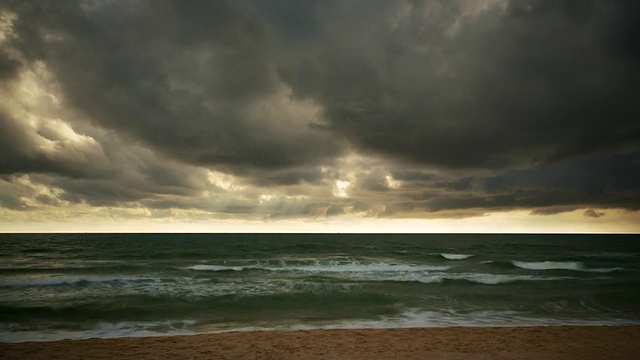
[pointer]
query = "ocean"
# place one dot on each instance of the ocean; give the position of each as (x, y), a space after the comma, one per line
(73, 286)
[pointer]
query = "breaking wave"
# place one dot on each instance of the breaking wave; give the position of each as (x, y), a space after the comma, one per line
(456, 256)
(560, 265)
(324, 266)
(217, 268)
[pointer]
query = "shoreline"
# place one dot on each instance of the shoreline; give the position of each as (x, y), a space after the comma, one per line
(188, 333)
(502, 342)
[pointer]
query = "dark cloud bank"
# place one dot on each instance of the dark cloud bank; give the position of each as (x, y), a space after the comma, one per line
(451, 107)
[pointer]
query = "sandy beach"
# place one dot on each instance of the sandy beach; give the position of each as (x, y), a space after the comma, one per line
(562, 342)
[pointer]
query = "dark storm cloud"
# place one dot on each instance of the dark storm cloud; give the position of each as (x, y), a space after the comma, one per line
(605, 182)
(535, 82)
(11, 195)
(8, 66)
(465, 106)
(192, 79)
(293, 175)
(97, 170)
(134, 175)
(14, 147)
(24, 149)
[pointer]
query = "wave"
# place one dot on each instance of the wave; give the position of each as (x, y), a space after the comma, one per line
(362, 271)
(420, 318)
(495, 279)
(363, 268)
(70, 280)
(326, 266)
(321, 287)
(73, 268)
(406, 318)
(560, 265)
(605, 270)
(456, 256)
(478, 278)
(219, 308)
(411, 318)
(218, 268)
(101, 330)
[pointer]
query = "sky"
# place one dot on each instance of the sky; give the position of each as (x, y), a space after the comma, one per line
(320, 116)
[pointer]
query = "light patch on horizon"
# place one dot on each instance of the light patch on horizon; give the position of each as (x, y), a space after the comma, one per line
(183, 221)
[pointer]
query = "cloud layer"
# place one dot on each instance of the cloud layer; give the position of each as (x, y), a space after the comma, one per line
(286, 109)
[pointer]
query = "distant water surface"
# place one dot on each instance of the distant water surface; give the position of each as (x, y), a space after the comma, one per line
(56, 286)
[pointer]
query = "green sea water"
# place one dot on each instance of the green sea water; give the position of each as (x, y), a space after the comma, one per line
(55, 286)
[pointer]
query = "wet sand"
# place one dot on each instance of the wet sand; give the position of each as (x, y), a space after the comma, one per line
(562, 342)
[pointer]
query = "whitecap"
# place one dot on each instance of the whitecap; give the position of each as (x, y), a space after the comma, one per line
(330, 265)
(550, 265)
(456, 256)
(357, 267)
(216, 268)
(103, 330)
(495, 279)
(559, 265)
(431, 278)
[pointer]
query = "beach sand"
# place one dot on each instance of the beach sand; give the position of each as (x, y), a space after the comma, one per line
(561, 342)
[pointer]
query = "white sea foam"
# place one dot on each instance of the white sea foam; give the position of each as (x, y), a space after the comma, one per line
(324, 266)
(420, 318)
(218, 268)
(318, 287)
(480, 278)
(423, 318)
(357, 267)
(102, 330)
(550, 265)
(456, 256)
(560, 265)
(495, 279)
(409, 318)
(363, 271)
(433, 277)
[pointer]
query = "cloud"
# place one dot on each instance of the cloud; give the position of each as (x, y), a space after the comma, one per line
(501, 90)
(9, 67)
(593, 213)
(194, 81)
(287, 109)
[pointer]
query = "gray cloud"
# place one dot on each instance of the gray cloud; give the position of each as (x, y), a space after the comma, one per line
(527, 83)
(193, 80)
(11, 195)
(593, 213)
(9, 67)
(253, 108)
(44, 147)
(605, 182)
(14, 147)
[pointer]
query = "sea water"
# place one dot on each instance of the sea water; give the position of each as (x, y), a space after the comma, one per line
(58, 286)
